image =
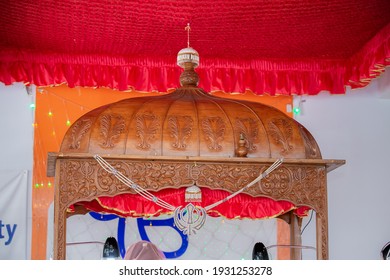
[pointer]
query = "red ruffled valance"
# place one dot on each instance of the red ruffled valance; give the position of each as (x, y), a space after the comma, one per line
(273, 77)
(240, 206)
(371, 61)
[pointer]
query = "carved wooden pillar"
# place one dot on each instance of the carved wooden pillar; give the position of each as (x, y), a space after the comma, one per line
(295, 237)
(322, 226)
(59, 234)
(59, 218)
(322, 221)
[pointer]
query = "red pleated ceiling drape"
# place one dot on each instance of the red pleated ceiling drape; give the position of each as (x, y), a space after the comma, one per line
(274, 48)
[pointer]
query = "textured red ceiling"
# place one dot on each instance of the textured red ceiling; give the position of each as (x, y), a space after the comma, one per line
(220, 28)
(274, 47)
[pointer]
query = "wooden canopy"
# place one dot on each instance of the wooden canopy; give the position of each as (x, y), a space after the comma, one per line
(185, 138)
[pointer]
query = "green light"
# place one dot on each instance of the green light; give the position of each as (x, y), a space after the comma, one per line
(32, 105)
(37, 185)
(68, 122)
(49, 184)
(297, 110)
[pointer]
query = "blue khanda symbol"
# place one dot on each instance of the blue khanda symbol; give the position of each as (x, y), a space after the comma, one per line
(141, 228)
(163, 223)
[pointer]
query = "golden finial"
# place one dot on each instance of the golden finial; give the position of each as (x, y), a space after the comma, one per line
(188, 59)
(188, 29)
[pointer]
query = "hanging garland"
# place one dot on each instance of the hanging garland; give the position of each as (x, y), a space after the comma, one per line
(190, 218)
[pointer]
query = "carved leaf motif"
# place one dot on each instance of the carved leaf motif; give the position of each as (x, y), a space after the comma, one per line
(281, 131)
(180, 128)
(147, 126)
(249, 128)
(174, 128)
(110, 128)
(214, 131)
(310, 145)
(79, 129)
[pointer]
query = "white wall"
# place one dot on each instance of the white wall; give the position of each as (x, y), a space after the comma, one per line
(354, 127)
(17, 134)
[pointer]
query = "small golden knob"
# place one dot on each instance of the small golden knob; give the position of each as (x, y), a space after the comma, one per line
(241, 150)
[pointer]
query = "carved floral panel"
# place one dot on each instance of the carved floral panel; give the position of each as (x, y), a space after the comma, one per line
(214, 132)
(147, 127)
(180, 128)
(111, 127)
(281, 132)
(78, 131)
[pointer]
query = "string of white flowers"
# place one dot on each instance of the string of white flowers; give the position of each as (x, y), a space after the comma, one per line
(147, 195)
(275, 165)
(144, 193)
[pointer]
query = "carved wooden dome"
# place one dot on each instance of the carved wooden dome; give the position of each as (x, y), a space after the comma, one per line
(189, 122)
(192, 123)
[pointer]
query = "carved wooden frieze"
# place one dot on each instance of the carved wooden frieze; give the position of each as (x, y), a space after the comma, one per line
(281, 132)
(214, 132)
(149, 175)
(180, 128)
(111, 127)
(279, 182)
(147, 126)
(300, 184)
(85, 179)
(78, 130)
(249, 128)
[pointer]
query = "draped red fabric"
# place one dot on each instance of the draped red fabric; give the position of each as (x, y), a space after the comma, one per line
(261, 76)
(240, 206)
(268, 47)
(371, 61)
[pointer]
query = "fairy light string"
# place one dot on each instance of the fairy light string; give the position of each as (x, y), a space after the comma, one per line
(52, 115)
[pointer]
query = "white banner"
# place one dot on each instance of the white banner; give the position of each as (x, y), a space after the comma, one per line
(13, 215)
